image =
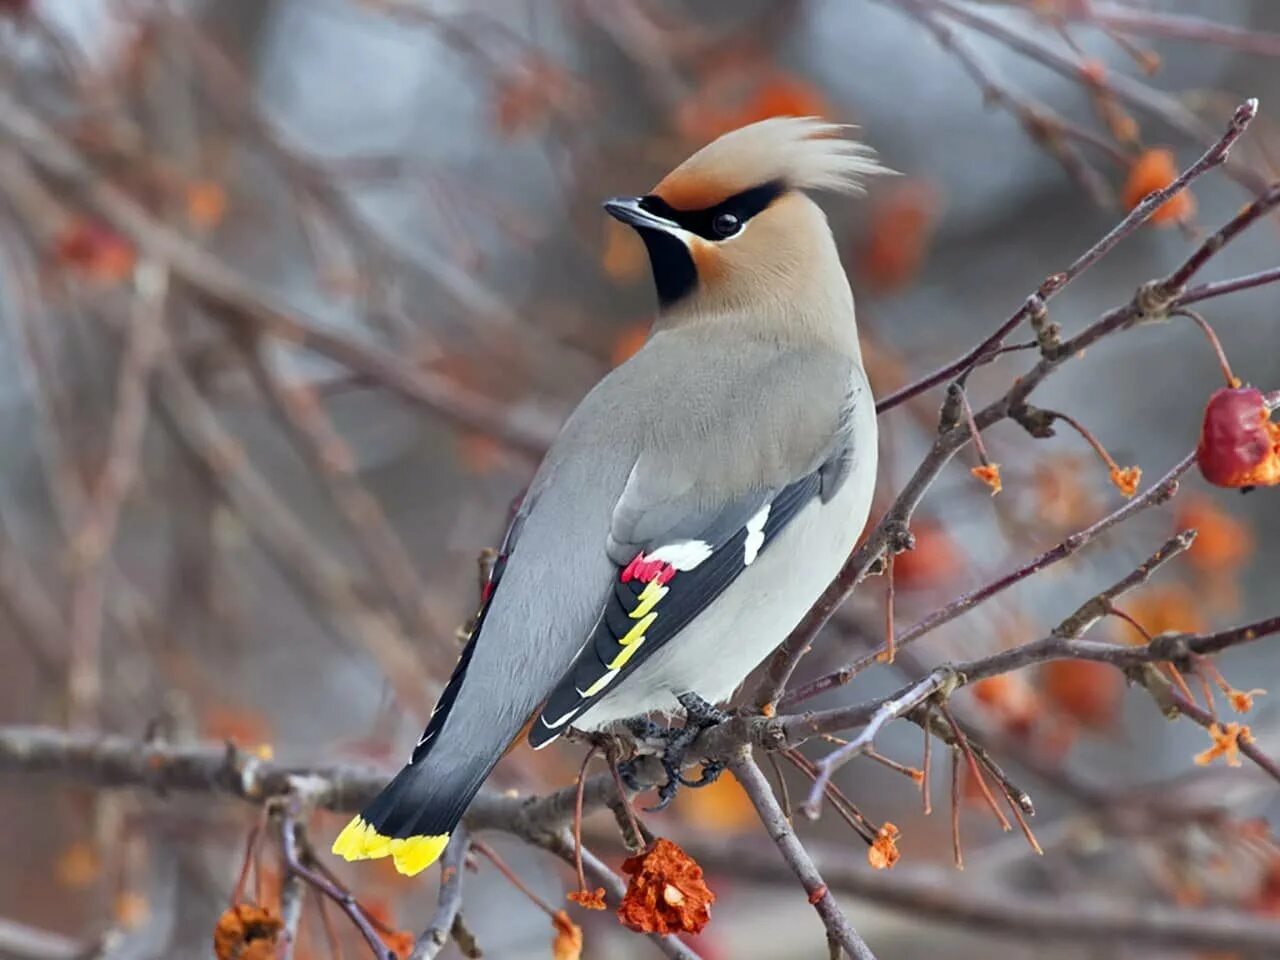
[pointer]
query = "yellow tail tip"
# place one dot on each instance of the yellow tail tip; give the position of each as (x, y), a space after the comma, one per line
(360, 841)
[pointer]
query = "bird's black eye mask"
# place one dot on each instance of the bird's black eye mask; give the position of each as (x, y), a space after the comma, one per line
(674, 271)
(726, 218)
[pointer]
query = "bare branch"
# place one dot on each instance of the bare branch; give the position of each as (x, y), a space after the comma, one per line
(236, 299)
(452, 866)
(1159, 492)
(756, 785)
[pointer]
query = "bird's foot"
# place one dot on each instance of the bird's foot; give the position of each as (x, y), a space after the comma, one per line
(645, 733)
(673, 764)
(711, 771)
(699, 715)
(699, 712)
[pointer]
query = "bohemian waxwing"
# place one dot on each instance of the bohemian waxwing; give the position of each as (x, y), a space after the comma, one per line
(695, 504)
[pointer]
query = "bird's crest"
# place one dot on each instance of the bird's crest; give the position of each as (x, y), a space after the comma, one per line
(804, 153)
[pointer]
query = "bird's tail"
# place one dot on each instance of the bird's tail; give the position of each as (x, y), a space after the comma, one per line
(412, 818)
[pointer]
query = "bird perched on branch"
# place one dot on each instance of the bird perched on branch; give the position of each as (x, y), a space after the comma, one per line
(696, 503)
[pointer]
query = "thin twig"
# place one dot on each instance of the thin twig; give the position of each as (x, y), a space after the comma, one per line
(1054, 284)
(937, 682)
(93, 541)
(449, 904)
(291, 834)
(1159, 492)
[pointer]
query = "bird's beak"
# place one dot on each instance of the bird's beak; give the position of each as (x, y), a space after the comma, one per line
(629, 211)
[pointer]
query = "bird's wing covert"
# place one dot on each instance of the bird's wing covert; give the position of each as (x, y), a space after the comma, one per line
(675, 553)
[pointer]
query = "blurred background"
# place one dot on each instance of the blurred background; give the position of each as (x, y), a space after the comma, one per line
(262, 525)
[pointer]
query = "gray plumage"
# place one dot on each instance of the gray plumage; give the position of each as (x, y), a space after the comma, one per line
(733, 459)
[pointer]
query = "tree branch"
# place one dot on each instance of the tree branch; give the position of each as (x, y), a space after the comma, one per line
(781, 833)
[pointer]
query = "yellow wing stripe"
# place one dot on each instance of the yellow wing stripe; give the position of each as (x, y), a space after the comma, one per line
(648, 599)
(600, 684)
(411, 855)
(627, 653)
(637, 632)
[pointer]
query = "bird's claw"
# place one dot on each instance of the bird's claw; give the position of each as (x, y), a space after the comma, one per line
(627, 774)
(710, 774)
(699, 715)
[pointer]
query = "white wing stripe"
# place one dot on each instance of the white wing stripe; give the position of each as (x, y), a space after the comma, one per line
(684, 555)
(755, 535)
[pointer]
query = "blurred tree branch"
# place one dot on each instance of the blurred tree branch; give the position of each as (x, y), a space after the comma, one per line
(51, 178)
(119, 762)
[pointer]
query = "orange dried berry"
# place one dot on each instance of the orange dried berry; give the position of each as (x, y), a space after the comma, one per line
(568, 942)
(1094, 72)
(399, 942)
(132, 910)
(666, 892)
(78, 866)
(589, 899)
(246, 932)
(479, 453)
(244, 728)
(899, 230)
(1222, 542)
(1239, 444)
(783, 95)
(989, 473)
(1267, 899)
(1085, 690)
(883, 852)
(206, 203)
(1226, 743)
(1154, 170)
(933, 561)
(1126, 479)
(96, 251)
(526, 97)
(1012, 699)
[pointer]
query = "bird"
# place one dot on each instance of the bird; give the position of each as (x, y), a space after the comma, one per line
(694, 505)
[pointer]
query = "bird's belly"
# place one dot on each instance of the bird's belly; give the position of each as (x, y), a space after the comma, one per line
(713, 655)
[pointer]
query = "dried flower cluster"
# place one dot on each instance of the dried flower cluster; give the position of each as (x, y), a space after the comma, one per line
(666, 892)
(246, 932)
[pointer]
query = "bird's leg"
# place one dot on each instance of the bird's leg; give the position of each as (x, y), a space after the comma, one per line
(643, 730)
(702, 714)
(699, 715)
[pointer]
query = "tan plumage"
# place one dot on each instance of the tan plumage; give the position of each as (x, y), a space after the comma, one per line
(782, 275)
(807, 153)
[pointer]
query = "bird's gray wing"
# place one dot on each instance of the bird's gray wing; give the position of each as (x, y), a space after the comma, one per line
(680, 534)
(450, 692)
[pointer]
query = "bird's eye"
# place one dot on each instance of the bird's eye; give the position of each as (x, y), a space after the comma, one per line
(726, 225)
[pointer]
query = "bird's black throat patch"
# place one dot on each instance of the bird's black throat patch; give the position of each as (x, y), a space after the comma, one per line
(673, 269)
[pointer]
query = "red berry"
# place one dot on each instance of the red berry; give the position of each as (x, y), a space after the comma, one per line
(1239, 445)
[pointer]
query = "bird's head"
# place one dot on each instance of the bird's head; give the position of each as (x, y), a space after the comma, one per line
(731, 228)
